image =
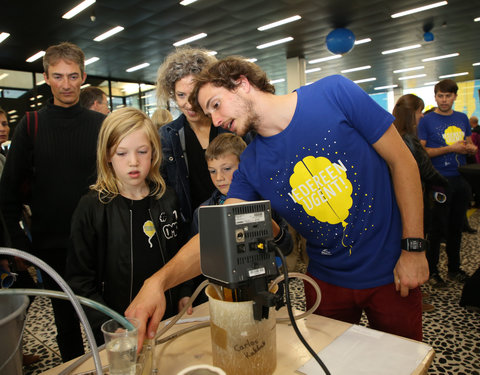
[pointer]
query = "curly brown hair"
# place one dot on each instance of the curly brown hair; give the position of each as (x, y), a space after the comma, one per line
(178, 64)
(225, 73)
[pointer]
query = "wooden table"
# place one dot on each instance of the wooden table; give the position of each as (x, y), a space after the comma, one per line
(195, 347)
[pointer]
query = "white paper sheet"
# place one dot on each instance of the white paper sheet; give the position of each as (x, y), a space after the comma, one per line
(361, 350)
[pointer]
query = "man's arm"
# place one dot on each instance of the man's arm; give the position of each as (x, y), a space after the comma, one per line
(460, 147)
(411, 269)
(149, 304)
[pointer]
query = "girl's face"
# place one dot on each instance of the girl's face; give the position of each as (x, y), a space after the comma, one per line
(131, 161)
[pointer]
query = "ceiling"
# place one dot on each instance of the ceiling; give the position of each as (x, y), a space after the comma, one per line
(152, 26)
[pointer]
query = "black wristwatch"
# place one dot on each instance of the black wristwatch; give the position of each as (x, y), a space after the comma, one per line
(414, 244)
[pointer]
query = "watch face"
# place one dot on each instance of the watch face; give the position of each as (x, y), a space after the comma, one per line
(414, 244)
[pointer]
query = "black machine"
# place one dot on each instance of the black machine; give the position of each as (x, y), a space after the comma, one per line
(236, 253)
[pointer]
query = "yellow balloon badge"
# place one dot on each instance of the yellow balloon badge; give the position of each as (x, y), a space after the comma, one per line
(323, 189)
(149, 230)
(453, 134)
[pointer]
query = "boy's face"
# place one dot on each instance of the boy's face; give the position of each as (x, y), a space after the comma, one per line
(221, 171)
(445, 101)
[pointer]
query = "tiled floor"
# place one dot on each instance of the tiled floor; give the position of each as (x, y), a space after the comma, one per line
(453, 331)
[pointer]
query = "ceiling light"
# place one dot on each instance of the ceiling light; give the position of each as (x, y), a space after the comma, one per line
(2, 76)
(91, 60)
(3, 36)
(109, 33)
(313, 70)
(419, 9)
(278, 23)
(401, 49)
(74, 11)
(41, 83)
(476, 19)
(137, 67)
(85, 85)
(440, 57)
(187, 2)
(385, 87)
(277, 81)
(408, 69)
(365, 80)
(322, 59)
(362, 41)
(453, 75)
(411, 77)
(36, 56)
(275, 42)
(356, 69)
(189, 39)
(12, 111)
(212, 53)
(430, 83)
(252, 60)
(476, 64)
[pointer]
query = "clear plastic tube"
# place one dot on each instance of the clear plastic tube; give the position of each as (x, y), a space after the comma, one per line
(160, 340)
(61, 295)
(302, 276)
(73, 299)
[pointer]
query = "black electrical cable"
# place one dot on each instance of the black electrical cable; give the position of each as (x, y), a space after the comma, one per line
(290, 312)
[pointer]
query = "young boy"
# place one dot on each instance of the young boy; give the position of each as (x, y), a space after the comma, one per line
(223, 157)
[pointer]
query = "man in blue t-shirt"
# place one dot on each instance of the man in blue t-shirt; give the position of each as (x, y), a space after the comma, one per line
(325, 156)
(446, 135)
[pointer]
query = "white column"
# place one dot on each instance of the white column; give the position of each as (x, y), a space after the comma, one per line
(295, 73)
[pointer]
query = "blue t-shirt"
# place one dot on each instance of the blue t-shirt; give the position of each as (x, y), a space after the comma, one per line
(323, 176)
(440, 131)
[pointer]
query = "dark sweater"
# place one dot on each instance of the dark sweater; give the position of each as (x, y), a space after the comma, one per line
(64, 157)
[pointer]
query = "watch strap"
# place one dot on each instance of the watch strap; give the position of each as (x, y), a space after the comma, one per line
(414, 244)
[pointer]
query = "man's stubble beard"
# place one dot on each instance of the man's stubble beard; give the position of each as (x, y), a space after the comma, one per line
(252, 121)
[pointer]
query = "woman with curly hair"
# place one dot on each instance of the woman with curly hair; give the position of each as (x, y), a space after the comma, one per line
(185, 139)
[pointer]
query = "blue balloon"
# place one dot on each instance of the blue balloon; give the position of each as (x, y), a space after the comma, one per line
(428, 36)
(340, 41)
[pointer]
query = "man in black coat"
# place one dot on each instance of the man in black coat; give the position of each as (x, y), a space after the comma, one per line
(50, 165)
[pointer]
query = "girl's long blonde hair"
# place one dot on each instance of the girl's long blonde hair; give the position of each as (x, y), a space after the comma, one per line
(115, 127)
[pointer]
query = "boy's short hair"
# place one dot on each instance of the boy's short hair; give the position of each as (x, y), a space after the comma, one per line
(226, 143)
(446, 85)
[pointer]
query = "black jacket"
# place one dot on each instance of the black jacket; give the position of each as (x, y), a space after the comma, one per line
(430, 177)
(99, 263)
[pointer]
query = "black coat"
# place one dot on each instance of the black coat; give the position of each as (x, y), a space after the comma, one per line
(100, 246)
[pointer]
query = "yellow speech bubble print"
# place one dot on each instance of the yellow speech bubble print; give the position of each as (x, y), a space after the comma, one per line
(149, 230)
(322, 188)
(453, 134)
